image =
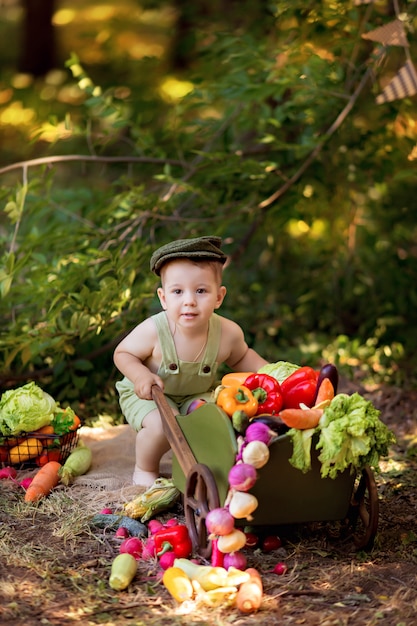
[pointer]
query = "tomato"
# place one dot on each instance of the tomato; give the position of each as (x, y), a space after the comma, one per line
(4, 454)
(302, 393)
(48, 455)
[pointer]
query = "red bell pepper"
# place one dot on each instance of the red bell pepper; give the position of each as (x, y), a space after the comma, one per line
(299, 388)
(267, 391)
(175, 539)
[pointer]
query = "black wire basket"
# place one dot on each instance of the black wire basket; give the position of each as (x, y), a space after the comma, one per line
(36, 449)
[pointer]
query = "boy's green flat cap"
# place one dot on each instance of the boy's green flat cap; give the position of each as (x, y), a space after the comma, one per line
(200, 248)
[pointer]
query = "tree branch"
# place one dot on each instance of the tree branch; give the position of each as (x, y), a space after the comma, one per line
(85, 157)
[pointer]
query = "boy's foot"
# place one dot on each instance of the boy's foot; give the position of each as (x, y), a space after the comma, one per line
(143, 478)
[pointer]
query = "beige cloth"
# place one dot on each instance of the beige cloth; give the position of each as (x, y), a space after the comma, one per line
(109, 479)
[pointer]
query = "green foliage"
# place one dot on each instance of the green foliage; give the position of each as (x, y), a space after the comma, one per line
(322, 244)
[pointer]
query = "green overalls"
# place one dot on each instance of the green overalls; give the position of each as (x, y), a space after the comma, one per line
(183, 380)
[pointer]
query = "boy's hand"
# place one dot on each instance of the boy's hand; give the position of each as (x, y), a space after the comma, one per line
(143, 385)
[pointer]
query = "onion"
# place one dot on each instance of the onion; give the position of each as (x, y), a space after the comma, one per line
(219, 522)
(259, 432)
(256, 453)
(235, 559)
(242, 476)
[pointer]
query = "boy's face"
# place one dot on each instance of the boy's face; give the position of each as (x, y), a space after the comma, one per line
(190, 291)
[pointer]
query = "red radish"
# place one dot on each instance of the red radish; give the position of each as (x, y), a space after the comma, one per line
(252, 540)
(167, 559)
(219, 521)
(8, 472)
(271, 543)
(132, 546)
(235, 559)
(171, 522)
(25, 482)
(149, 550)
(122, 533)
(280, 569)
(154, 525)
(106, 511)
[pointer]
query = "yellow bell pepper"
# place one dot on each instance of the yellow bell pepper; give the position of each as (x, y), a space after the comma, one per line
(237, 398)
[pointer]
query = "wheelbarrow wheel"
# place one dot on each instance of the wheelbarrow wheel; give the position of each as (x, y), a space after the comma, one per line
(364, 511)
(200, 497)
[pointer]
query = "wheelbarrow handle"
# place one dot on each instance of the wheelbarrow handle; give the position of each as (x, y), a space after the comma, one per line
(173, 432)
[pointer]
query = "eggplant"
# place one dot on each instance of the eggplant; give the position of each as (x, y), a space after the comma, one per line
(328, 371)
(274, 422)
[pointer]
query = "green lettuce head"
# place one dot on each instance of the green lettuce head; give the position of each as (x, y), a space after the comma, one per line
(279, 370)
(25, 409)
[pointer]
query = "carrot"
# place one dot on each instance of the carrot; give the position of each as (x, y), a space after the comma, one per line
(43, 482)
(325, 393)
(249, 595)
(45, 430)
(301, 418)
(235, 379)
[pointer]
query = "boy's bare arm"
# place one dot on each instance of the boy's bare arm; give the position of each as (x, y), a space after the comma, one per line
(241, 358)
(132, 356)
(250, 362)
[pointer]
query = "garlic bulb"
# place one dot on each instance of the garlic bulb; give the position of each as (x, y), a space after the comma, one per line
(242, 504)
(232, 542)
(256, 453)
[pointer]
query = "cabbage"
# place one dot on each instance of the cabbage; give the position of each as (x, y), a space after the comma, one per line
(25, 409)
(350, 435)
(279, 370)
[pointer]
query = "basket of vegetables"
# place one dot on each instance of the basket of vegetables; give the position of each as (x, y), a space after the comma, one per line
(34, 429)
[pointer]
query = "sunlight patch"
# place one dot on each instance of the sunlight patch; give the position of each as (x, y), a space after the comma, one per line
(63, 17)
(173, 89)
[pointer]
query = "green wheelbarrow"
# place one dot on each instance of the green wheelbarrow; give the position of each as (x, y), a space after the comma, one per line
(204, 449)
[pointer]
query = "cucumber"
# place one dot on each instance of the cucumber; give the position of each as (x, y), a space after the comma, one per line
(107, 520)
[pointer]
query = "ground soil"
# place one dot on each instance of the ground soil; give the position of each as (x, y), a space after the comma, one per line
(54, 567)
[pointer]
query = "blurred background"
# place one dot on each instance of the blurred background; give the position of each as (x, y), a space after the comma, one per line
(287, 128)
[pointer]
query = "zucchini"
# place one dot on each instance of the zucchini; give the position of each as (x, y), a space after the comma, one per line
(123, 571)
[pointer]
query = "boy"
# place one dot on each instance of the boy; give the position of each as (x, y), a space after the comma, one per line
(180, 348)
